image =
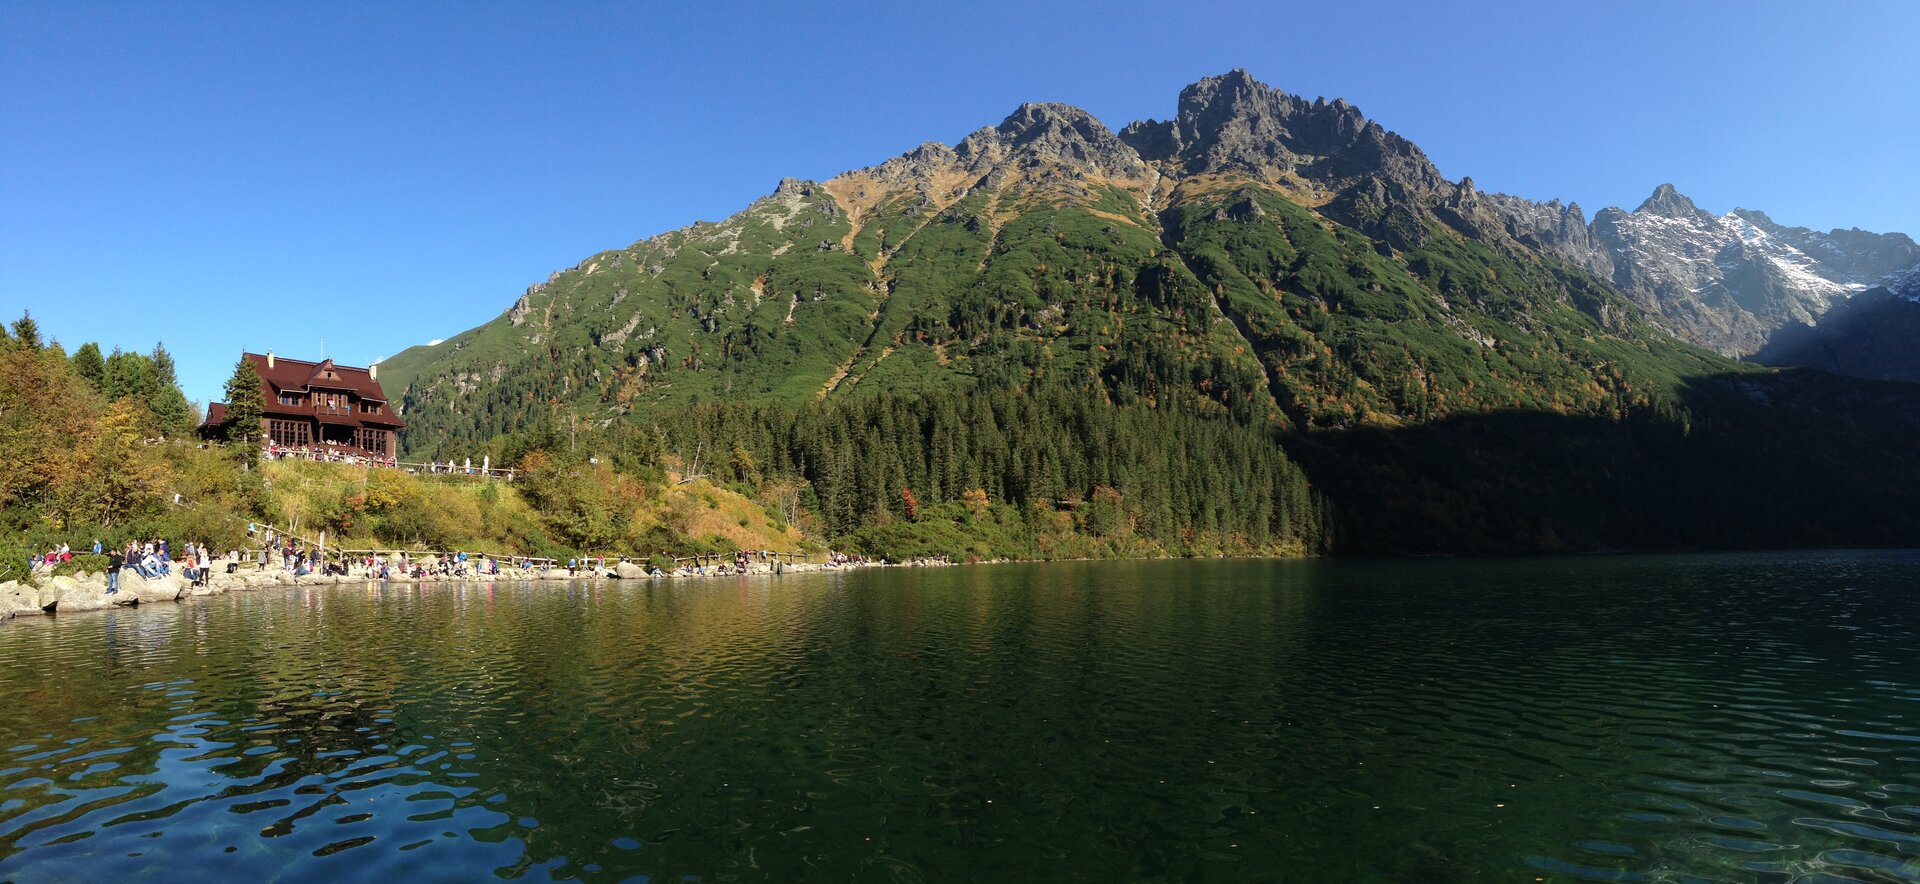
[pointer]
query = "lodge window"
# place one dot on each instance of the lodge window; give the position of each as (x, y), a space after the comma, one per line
(374, 441)
(289, 398)
(289, 434)
(369, 408)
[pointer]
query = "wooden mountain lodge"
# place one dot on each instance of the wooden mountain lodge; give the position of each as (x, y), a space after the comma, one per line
(320, 406)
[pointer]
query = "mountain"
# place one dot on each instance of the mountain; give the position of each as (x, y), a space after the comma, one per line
(1870, 335)
(1272, 263)
(1052, 246)
(1730, 282)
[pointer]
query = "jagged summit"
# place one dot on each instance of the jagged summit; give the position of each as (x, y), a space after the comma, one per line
(1671, 203)
(1234, 122)
(1050, 133)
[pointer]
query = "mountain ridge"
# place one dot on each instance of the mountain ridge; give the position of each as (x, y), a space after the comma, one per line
(1279, 264)
(1231, 131)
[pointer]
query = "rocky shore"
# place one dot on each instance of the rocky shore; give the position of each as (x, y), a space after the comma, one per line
(88, 591)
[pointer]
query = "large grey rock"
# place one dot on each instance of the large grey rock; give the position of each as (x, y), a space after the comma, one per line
(18, 600)
(135, 589)
(70, 595)
(630, 571)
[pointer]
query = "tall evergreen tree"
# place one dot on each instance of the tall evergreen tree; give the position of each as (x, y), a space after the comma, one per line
(26, 332)
(127, 374)
(90, 365)
(246, 407)
(170, 407)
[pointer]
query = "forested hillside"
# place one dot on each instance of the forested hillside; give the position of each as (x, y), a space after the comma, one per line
(1281, 278)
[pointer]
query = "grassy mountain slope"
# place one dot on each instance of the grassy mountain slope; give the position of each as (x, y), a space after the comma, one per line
(1262, 261)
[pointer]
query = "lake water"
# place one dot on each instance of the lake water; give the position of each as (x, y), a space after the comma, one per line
(1749, 717)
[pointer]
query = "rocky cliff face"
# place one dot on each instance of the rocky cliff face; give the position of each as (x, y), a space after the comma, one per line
(1326, 154)
(1870, 335)
(1731, 282)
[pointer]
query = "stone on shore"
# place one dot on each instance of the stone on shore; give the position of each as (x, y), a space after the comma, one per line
(135, 589)
(18, 600)
(68, 595)
(630, 571)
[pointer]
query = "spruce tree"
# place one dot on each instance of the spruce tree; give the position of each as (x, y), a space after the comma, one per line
(246, 407)
(169, 406)
(89, 365)
(26, 332)
(127, 374)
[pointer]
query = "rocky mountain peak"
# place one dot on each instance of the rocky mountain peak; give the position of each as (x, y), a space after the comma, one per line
(1042, 133)
(1233, 122)
(794, 188)
(1671, 203)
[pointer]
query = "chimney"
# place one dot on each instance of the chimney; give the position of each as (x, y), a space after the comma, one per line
(373, 371)
(269, 358)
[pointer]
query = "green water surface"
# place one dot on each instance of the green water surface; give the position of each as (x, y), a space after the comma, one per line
(1747, 718)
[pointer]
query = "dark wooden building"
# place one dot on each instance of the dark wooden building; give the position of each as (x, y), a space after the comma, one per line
(320, 405)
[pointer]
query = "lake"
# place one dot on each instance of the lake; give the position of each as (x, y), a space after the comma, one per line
(1749, 717)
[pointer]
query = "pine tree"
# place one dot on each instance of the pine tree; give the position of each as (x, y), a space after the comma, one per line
(26, 332)
(127, 374)
(246, 408)
(89, 365)
(169, 406)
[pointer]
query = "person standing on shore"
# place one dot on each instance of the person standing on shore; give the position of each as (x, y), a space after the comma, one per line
(114, 561)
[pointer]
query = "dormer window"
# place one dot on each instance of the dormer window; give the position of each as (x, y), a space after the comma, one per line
(289, 398)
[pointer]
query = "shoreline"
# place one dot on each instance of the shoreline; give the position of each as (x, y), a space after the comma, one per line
(87, 591)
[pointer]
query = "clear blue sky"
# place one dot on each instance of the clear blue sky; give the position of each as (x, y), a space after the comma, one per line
(228, 175)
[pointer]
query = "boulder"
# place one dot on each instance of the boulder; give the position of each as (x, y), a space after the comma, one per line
(70, 595)
(18, 600)
(135, 589)
(630, 571)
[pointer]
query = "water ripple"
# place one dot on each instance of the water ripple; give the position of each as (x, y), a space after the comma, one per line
(1656, 719)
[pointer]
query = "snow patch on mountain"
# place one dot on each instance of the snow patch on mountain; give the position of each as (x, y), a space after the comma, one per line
(1731, 281)
(1906, 285)
(1797, 268)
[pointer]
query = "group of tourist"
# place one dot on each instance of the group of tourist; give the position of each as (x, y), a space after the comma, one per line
(152, 560)
(329, 454)
(52, 557)
(466, 468)
(298, 561)
(276, 451)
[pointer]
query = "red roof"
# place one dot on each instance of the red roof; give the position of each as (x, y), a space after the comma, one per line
(306, 378)
(299, 374)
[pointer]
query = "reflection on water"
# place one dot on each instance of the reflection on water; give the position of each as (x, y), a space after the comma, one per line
(1749, 717)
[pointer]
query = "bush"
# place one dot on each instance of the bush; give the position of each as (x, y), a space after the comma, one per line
(78, 563)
